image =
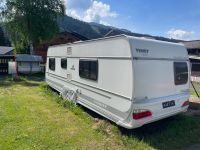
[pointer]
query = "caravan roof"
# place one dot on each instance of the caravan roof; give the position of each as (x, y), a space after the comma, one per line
(125, 47)
(119, 36)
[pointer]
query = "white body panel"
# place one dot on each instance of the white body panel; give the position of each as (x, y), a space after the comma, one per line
(133, 73)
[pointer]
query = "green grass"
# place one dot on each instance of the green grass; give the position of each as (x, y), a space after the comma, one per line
(34, 117)
(192, 91)
(196, 83)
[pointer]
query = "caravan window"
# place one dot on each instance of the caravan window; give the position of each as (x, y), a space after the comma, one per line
(88, 69)
(180, 73)
(64, 63)
(52, 65)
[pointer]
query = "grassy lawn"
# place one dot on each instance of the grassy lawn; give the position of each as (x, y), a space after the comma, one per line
(192, 92)
(34, 117)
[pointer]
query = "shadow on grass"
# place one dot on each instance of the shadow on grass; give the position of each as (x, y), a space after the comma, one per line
(34, 77)
(194, 106)
(172, 133)
(148, 130)
(8, 81)
(24, 83)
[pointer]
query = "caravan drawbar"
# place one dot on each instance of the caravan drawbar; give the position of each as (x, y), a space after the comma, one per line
(131, 81)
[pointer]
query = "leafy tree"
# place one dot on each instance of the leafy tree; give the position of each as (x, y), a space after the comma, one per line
(2, 41)
(30, 22)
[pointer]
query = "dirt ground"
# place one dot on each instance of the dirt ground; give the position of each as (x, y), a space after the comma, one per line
(195, 99)
(194, 109)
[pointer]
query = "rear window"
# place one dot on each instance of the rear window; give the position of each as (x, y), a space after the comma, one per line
(88, 69)
(180, 73)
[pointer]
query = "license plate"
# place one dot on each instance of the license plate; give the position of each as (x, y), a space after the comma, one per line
(168, 104)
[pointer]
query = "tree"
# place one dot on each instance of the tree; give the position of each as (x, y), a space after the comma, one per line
(2, 38)
(4, 41)
(29, 22)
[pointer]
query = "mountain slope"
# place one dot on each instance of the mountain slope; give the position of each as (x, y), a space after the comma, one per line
(73, 25)
(94, 30)
(89, 30)
(111, 31)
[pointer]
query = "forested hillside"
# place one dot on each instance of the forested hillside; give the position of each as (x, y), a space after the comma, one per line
(89, 30)
(95, 30)
(73, 25)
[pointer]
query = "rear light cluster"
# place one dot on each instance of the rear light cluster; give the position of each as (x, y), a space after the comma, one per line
(139, 114)
(186, 103)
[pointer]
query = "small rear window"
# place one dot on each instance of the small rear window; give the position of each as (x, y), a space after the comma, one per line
(180, 73)
(52, 64)
(64, 63)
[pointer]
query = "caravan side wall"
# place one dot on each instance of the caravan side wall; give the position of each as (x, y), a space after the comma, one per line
(111, 93)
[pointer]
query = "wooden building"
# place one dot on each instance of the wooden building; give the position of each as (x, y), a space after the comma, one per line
(193, 47)
(195, 66)
(61, 38)
(6, 55)
(28, 64)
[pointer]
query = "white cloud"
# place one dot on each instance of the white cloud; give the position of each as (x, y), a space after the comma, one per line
(78, 4)
(180, 34)
(74, 14)
(104, 23)
(89, 10)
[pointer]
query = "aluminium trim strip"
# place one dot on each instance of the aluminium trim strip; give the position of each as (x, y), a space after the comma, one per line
(102, 90)
(125, 57)
(116, 94)
(163, 59)
(97, 57)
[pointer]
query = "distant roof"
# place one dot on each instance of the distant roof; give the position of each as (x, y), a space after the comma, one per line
(81, 37)
(194, 57)
(192, 44)
(4, 50)
(28, 58)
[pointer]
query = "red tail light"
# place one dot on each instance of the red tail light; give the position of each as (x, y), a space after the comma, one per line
(141, 114)
(186, 103)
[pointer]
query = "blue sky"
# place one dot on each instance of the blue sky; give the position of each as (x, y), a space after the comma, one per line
(170, 18)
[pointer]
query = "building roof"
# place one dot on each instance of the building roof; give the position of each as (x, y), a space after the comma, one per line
(194, 57)
(28, 58)
(4, 50)
(192, 44)
(81, 37)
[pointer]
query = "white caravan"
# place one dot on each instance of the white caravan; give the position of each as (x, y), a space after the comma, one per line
(131, 81)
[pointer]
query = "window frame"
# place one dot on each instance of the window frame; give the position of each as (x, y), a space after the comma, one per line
(65, 59)
(90, 73)
(184, 80)
(54, 68)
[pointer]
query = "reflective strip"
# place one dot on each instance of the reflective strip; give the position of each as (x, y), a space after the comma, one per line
(163, 59)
